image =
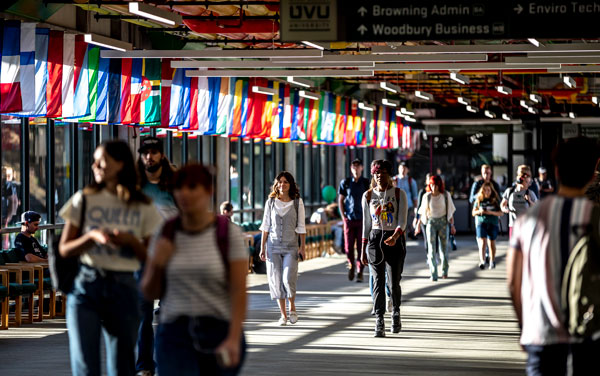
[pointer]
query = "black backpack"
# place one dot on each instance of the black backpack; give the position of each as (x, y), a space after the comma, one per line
(580, 293)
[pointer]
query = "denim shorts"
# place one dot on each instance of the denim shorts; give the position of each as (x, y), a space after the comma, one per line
(487, 230)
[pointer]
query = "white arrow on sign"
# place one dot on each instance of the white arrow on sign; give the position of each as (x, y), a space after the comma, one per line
(362, 11)
(518, 9)
(362, 29)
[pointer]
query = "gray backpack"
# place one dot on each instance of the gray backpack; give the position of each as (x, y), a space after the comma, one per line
(581, 284)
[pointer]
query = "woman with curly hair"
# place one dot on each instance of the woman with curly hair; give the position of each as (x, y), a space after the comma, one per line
(283, 223)
(436, 212)
(486, 210)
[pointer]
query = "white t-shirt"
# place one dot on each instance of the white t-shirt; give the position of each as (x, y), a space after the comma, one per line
(105, 210)
(437, 206)
(281, 208)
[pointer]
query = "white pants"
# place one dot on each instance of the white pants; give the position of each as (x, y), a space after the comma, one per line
(282, 271)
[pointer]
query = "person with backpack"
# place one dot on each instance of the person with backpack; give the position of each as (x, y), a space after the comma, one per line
(283, 223)
(107, 227)
(437, 213)
(385, 210)
(543, 241)
(409, 186)
(517, 199)
(486, 210)
(350, 195)
(198, 268)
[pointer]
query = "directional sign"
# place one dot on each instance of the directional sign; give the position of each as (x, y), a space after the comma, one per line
(393, 20)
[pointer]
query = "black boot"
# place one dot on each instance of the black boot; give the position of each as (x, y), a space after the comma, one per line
(396, 324)
(379, 327)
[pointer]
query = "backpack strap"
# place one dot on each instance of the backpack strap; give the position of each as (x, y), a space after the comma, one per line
(369, 194)
(446, 201)
(397, 193)
(296, 206)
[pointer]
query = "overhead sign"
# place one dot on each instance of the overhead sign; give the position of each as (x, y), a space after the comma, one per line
(311, 20)
(392, 20)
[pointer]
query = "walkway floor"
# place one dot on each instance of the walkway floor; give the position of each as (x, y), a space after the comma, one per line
(460, 326)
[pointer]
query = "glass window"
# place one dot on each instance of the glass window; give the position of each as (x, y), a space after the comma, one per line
(38, 157)
(247, 193)
(176, 150)
(85, 155)
(324, 169)
(11, 176)
(192, 150)
(259, 179)
(234, 178)
(62, 166)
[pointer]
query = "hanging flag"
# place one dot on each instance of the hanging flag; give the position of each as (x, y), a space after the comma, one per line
(297, 112)
(27, 68)
(114, 91)
(394, 134)
(179, 114)
(238, 122)
(193, 124)
(93, 63)
(224, 111)
(10, 87)
(68, 76)
(131, 90)
(166, 79)
(150, 93)
(372, 134)
(406, 138)
(81, 103)
(285, 114)
(256, 106)
(314, 110)
(102, 101)
(203, 103)
(381, 128)
(214, 89)
(34, 82)
(341, 110)
(41, 70)
(277, 113)
(350, 139)
(327, 124)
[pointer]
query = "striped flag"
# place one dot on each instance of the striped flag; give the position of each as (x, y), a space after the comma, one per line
(214, 89)
(68, 77)
(10, 88)
(27, 68)
(394, 134)
(296, 111)
(102, 101)
(353, 119)
(40, 75)
(256, 106)
(150, 92)
(131, 90)
(125, 107)
(179, 113)
(240, 108)
(285, 114)
(224, 111)
(93, 63)
(114, 91)
(166, 79)
(340, 120)
(312, 118)
(203, 103)
(81, 99)
(193, 123)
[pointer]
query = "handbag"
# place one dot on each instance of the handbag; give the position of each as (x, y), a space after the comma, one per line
(63, 270)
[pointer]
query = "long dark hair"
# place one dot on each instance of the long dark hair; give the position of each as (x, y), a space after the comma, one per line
(166, 175)
(128, 188)
(294, 190)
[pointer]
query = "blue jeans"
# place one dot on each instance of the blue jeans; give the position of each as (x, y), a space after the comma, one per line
(106, 304)
(145, 341)
(186, 346)
(547, 360)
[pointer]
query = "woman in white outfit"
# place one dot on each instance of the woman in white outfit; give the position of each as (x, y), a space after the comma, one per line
(283, 222)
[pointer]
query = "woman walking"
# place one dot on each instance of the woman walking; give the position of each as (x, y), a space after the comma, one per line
(486, 210)
(283, 222)
(107, 225)
(202, 261)
(385, 211)
(436, 212)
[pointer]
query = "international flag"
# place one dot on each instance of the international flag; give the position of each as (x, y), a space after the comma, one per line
(240, 106)
(114, 91)
(201, 86)
(394, 131)
(131, 90)
(166, 79)
(341, 110)
(93, 69)
(256, 106)
(10, 87)
(40, 80)
(150, 112)
(125, 107)
(328, 116)
(353, 118)
(276, 121)
(371, 132)
(27, 68)
(81, 99)
(313, 117)
(214, 89)
(382, 128)
(193, 123)
(68, 77)
(102, 89)
(297, 116)
(225, 107)
(179, 113)
(285, 114)
(406, 137)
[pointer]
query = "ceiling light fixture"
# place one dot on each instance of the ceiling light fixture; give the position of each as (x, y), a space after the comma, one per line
(460, 78)
(532, 110)
(390, 102)
(366, 107)
(214, 54)
(572, 115)
(569, 82)
(504, 90)
(309, 95)
(404, 111)
(595, 100)
(472, 109)
(506, 117)
(155, 13)
(489, 114)
(535, 98)
(279, 73)
(523, 103)
(423, 95)
(263, 90)
(313, 45)
(535, 42)
(300, 81)
(486, 49)
(465, 101)
(259, 64)
(111, 43)
(400, 114)
(389, 87)
(411, 119)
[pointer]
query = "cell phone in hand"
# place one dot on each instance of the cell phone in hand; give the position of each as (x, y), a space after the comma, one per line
(223, 359)
(300, 257)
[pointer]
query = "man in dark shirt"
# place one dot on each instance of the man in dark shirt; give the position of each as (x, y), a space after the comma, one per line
(544, 183)
(349, 201)
(28, 246)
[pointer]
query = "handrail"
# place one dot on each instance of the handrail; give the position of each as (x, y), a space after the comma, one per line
(11, 230)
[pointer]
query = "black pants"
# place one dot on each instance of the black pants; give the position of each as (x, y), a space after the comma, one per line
(382, 258)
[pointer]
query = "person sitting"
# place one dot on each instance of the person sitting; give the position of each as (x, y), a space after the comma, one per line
(29, 248)
(226, 210)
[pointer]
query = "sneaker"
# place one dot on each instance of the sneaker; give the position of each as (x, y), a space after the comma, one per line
(282, 321)
(445, 276)
(493, 265)
(396, 324)
(351, 273)
(359, 276)
(380, 327)
(482, 265)
(487, 259)
(433, 279)
(293, 317)
(390, 305)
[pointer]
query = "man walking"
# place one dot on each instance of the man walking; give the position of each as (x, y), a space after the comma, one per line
(539, 249)
(156, 173)
(409, 186)
(350, 205)
(486, 176)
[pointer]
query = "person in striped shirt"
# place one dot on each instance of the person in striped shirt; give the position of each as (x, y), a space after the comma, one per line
(539, 249)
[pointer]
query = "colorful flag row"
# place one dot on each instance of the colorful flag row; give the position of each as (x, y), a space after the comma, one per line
(55, 74)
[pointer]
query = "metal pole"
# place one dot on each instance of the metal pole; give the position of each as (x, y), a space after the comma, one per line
(509, 164)
(50, 172)
(184, 148)
(74, 157)
(25, 163)
(169, 146)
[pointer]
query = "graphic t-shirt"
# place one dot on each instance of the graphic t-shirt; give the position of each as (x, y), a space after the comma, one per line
(489, 205)
(29, 245)
(517, 204)
(382, 212)
(105, 210)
